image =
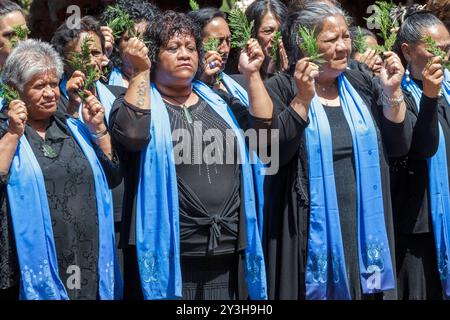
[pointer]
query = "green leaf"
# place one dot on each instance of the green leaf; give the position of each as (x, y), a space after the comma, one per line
(211, 45)
(82, 61)
(383, 18)
(8, 94)
(119, 21)
(241, 28)
(309, 45)
(275, 52)
(20, 33)
(194, 5)
(433, 48)
(360, 41)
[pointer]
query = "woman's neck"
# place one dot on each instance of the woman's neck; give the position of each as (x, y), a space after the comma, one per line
(174, 91)
(40, 126)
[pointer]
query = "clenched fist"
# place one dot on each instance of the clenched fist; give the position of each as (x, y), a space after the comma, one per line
(17, 116)
(136, 53)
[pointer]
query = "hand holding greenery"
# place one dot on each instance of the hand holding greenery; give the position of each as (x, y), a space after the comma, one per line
(213, 45)
(309, 45)
(432, 47)
(82, 61)
(386, 23)
(8, 94)
(120, 22)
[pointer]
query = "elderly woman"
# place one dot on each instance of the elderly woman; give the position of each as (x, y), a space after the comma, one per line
(190, 223)
(420, 180)
(55, 178)
(142, 13)
(329, 232)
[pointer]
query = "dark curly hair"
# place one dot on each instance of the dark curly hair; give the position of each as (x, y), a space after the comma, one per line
(139, 11)
(65, 35)
(166, 26)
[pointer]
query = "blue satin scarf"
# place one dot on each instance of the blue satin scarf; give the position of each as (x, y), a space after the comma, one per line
(326, 276)
(115, 78)
(33, 226)
(157, 212)
(236, 90)
(446, 85)
(105, 97)
(439, 193)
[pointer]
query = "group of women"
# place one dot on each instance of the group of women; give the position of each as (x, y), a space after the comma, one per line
(98, 200)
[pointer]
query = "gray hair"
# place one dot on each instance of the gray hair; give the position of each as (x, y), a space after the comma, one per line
(7, 7)
(29, 58)
(311, 16)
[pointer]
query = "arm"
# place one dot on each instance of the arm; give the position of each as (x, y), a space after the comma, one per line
(17, 116)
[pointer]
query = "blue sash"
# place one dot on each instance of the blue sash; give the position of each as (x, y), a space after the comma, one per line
(33, 227)
(236, 90)
(105, 97)
(157, 214)
(439, 195)
(115, 78)
(326, 276)
(446, 85)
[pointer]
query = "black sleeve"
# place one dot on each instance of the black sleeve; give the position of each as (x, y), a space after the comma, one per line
(4, 177)
(425, 140)
(129, 125)
(289, 123)
(111, 167)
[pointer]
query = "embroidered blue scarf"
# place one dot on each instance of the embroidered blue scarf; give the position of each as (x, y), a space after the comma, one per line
(157, 214)
(326, 276)
(115, 78)
(105, 97)
(33, 227)
(236, 90)
(439, 194)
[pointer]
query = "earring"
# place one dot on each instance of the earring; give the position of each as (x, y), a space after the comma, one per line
(407, 73)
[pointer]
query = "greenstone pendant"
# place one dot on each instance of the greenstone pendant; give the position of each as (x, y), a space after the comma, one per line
(48, 151)
(187, 114)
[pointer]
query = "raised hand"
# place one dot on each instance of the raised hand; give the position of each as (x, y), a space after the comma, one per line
(93, 113)
(109, 39)
(74, 85)
(391, 74)
(433, 76)
(251, 58)
(17, 116)
(305, 74)
(136, 53)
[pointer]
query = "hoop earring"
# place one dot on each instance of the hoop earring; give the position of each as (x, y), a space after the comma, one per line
(407, 74)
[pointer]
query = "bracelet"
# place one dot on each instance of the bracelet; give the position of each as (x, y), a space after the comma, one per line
(394, 102)
(97, 136)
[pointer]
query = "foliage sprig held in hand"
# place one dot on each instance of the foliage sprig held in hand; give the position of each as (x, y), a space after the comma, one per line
(309, 45)
(194, 5)
(82, 61)
(213, 45)
(275, 52)
(432, 47)
(8, 94)
(383, 18)
(241, 28)
(20, 33)
(360, 42)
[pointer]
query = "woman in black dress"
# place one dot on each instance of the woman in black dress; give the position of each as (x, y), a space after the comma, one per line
(296, 266)
(56, 207)
(189, 226)
(419, 272)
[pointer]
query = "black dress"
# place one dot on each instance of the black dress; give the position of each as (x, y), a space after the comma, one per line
(418, 276)
(287, 209)
(70, 188)
(212, 233)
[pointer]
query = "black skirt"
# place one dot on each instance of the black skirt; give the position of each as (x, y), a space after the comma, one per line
(210, 277)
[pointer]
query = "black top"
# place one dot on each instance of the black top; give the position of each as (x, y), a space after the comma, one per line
(410, 183)
(344, 175)
(287, 209)
(70, 188)
(205, 190)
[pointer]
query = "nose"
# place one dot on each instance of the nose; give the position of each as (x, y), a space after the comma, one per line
(48, 92)
(340, 45)
(183, 53)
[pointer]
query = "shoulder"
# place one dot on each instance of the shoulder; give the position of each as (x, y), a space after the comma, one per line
(116, 90)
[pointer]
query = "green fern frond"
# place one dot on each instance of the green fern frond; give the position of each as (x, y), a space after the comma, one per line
(360, 41)
(8, 94)
(241, 28)
(433, 48)
(20, 33)
(275, 52)
(194, 5)
(211, 45)
(309, 45)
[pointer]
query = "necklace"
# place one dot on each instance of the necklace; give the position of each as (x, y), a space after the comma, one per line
(48, 151)
(186, 112)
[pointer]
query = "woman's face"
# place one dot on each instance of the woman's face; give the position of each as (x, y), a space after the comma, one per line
(417, 55)
(127, 67)
(218, 29)
(266, 31)
(177, 61)
(335, 45)
(41, 94)
(95, 48)
(7, 22)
